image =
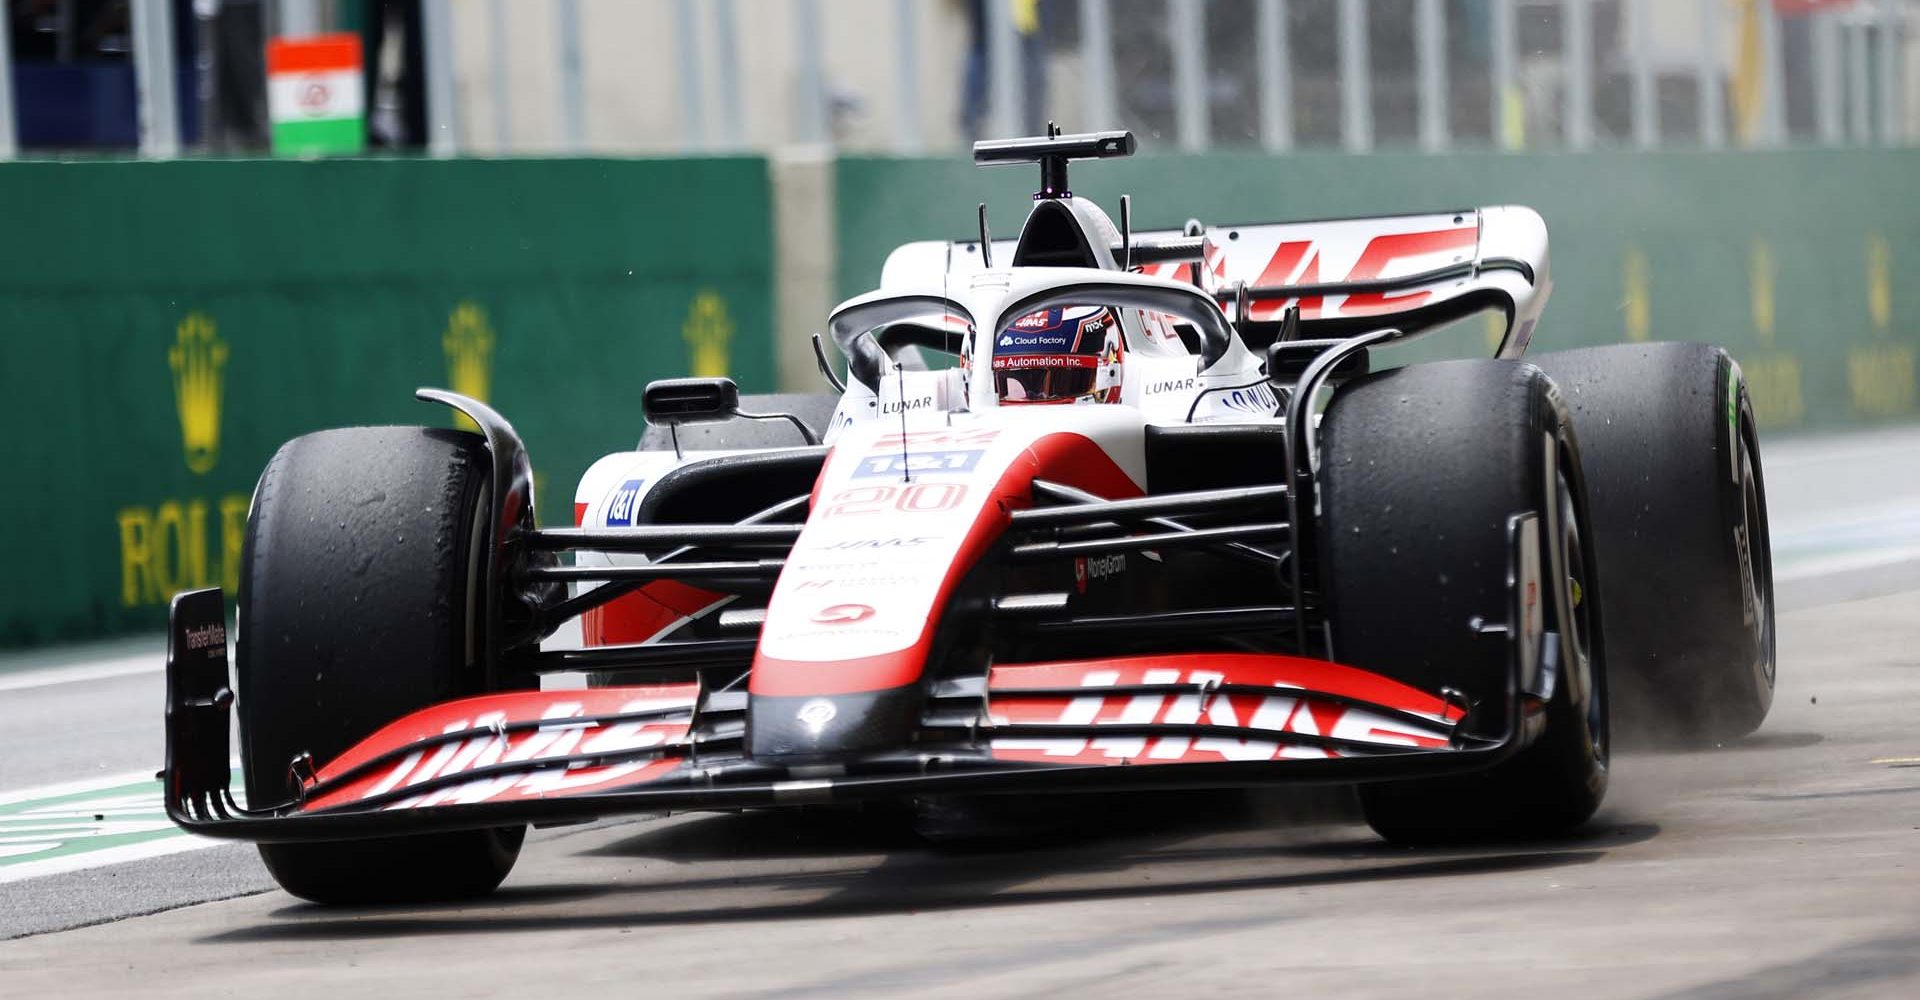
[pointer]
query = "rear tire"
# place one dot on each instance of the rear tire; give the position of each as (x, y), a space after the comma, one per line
(1420, 470)
(1679, 509)
(358, 606)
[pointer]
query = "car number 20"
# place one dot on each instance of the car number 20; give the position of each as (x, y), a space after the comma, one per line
(914, 498)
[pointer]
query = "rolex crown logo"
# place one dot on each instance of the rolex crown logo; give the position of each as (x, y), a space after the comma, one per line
(198, 358)
(1880, 282)
(1762, 279)
(1639, 309)
(708, 332)
(468, 342)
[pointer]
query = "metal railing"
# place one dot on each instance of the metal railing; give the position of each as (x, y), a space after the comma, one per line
(1201, 74)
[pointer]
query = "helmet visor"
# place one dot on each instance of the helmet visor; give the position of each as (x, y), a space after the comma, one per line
(1044, 378)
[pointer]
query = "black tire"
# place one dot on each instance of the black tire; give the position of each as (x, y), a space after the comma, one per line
(814, 409)
(1679, 511)
(1420, 470)
(357, 606)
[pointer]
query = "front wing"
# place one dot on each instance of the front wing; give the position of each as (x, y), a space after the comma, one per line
(1123, 724)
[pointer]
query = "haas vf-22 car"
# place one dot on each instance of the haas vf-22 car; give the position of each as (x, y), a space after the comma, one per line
(1088, 510)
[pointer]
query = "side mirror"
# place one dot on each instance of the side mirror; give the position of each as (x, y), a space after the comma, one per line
(670, 402)
(674, 401)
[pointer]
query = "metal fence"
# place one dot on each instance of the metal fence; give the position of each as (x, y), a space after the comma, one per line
(1438, 74)
(1278, 75)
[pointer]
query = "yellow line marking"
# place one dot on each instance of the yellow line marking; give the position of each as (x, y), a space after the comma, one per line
(1898, 760)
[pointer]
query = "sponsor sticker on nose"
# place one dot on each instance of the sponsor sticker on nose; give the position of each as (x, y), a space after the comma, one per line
(843, 614)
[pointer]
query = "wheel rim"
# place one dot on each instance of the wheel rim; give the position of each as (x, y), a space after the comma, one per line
(1751, 547)
(1576, 631)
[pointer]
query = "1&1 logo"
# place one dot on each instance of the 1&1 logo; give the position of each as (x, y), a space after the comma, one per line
(621, 504)
(916, 463)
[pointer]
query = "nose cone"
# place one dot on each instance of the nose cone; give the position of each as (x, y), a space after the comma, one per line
(802, 727)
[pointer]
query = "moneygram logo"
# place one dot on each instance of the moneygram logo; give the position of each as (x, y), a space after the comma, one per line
(468, 343)
(198, 358)
(708, 330)
(1097, 568)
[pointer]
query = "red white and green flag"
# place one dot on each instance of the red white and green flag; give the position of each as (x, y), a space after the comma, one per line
(316, 95)
(1803, 8)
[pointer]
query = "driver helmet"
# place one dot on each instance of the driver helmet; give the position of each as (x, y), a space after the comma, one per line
(1065, 354)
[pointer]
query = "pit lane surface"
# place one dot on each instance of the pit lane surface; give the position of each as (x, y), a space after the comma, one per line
(1785, 866)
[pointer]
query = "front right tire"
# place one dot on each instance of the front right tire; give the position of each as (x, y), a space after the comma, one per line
(1421, 467)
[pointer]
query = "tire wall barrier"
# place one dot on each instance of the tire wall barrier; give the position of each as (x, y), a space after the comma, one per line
(168, 325)
(1804, 264)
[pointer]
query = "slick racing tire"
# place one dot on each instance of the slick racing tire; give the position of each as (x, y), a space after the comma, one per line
(1420, 471)
(814, 409)
(1680, 515)
(358, 605)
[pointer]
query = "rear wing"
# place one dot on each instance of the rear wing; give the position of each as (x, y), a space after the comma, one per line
(1346, 276)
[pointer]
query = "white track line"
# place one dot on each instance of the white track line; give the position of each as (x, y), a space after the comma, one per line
(174, 843)
(1875, 445)
(1818, 567)
(97, 670)
(130, 804)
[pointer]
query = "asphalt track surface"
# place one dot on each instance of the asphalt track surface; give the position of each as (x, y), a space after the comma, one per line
(1786, 865)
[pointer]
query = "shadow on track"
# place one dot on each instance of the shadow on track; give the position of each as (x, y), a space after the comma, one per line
(1669, 744)
(887, 871)
(894, 889)
(1875, 963)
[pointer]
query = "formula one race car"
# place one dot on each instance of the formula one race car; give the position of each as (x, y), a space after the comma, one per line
(1093, 510)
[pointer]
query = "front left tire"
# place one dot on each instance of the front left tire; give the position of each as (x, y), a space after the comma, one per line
(359, 601)
(1680, 513)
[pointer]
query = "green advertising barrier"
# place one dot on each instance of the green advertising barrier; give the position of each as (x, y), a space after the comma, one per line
(167, 326)
(1804, 264)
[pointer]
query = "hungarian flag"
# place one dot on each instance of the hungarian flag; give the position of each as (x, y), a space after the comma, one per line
(316, 96)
